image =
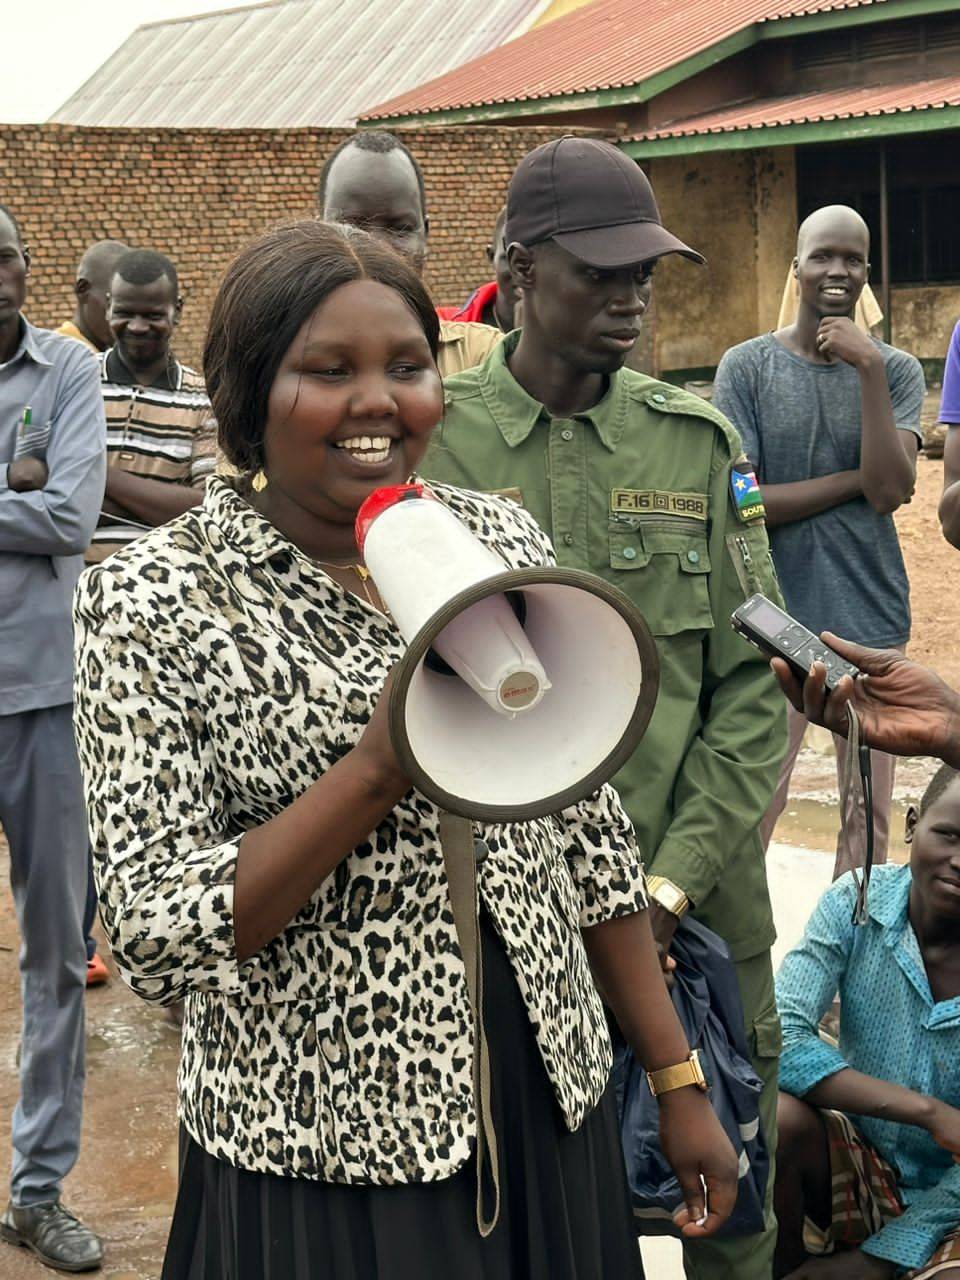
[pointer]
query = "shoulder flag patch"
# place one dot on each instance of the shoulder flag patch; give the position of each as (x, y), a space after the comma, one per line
(746, 492)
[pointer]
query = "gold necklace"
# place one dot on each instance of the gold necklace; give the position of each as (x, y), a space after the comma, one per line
(361, 570)
(363, 573)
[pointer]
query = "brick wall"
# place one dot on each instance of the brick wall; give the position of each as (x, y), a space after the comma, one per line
(199, 194)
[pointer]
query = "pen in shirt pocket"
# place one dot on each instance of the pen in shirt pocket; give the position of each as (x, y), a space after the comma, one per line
(32, 439)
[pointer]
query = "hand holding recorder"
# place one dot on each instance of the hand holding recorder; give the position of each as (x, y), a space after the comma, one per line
(904, 708)
(778, 635)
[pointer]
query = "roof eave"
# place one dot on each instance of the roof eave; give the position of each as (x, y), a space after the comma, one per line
(489, 113)
(644, 90)
(888, 11)
(589, 99)
(849, 129)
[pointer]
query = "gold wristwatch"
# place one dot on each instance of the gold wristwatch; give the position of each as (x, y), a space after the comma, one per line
(684, 1073)
(669, 895)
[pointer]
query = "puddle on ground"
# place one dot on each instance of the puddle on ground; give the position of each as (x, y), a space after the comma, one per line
(126, 1029)
(814, 825)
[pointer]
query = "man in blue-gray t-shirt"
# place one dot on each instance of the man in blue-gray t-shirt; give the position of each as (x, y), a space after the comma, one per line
(830, 418)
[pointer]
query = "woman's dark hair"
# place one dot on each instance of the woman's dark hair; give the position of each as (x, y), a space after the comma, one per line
(270, 289)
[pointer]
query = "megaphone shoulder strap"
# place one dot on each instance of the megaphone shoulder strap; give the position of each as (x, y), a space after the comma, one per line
(456, 841)
(859, 771)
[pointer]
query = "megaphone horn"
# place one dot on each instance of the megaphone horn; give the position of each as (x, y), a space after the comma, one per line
(521, 690)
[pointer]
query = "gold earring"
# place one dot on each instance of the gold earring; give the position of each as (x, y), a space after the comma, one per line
(259, 481)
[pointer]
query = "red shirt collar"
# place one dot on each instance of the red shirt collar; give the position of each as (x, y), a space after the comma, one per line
(474, 307)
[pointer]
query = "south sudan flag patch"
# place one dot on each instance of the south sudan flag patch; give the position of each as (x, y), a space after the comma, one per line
(746, 492)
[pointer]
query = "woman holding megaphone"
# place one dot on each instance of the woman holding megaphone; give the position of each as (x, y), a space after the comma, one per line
(262, 854)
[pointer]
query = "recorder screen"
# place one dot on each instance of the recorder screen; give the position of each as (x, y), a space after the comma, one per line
(768, 618)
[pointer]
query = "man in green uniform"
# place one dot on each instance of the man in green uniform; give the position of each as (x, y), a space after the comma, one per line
(647, 486)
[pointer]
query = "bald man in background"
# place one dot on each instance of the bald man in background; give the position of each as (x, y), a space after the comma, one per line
(89, 323)
(89, 326)
(373, 181)
(830, 419)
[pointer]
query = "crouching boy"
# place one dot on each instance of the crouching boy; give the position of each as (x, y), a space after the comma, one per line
(868, 1178)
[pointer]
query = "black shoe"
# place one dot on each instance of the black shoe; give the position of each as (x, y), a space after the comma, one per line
(56, 1236)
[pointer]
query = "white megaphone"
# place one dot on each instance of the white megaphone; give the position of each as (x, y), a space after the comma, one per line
(522, 690)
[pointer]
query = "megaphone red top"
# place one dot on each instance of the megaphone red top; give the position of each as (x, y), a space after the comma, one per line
(381, 500)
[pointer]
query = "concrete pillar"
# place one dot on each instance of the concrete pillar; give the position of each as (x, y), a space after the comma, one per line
(775, 220)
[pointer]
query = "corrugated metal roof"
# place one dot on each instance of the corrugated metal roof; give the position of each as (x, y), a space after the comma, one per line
(288, 62)
(606, 45)
(829, 104)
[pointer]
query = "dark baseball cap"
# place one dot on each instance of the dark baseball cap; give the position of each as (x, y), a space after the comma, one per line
(593, 200)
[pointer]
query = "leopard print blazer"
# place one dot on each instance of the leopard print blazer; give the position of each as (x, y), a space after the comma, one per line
(219, 673)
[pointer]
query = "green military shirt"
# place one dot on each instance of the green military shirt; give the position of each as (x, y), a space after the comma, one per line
(638, 490)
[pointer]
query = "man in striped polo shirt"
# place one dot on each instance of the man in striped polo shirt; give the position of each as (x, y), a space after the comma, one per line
(161, 433)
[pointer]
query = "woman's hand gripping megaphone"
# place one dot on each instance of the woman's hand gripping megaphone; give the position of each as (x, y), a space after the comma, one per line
(376, 749)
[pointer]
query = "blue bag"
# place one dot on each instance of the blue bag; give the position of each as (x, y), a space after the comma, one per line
(707, 1000)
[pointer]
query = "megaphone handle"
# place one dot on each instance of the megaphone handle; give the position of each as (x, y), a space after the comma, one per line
(459, 860)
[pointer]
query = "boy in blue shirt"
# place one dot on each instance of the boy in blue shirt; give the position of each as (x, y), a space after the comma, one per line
(868, 1164)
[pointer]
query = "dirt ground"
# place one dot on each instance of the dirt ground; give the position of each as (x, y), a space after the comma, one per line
(125, 1180)
(124, 1183)
(933, 567)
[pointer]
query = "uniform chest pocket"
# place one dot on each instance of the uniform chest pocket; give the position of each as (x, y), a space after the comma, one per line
(668, 563)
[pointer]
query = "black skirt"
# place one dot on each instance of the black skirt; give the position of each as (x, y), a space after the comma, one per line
(565, 1211)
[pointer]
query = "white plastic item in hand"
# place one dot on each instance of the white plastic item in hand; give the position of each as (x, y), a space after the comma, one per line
(421, 557)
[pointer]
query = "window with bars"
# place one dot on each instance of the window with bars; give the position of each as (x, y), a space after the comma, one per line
(939, 33)
(923, 187)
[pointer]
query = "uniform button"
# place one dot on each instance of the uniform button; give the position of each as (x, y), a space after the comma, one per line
(693, 557)
(659, 399)
(566, 434)
(568, 539)
(629, 553)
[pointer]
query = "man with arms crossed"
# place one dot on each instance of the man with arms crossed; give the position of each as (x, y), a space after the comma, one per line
(52, 439)
(830, 418)
(161, 432)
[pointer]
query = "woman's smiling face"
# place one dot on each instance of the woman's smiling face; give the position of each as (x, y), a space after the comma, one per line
(353, 403)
